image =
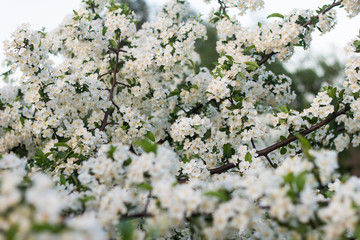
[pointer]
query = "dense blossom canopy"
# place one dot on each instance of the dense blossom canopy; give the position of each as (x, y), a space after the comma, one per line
(123, 137)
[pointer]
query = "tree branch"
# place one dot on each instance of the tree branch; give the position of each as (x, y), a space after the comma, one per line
(322, 12)
(264, 152)
(137, 215)
(223, 7)
(92, 5)
(266, 57)
(198, 107)
(104, 74)
(111, 95)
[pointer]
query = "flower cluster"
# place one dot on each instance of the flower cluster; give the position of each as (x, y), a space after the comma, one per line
(126, 138)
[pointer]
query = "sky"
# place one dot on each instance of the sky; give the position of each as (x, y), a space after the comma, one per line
(49, 13)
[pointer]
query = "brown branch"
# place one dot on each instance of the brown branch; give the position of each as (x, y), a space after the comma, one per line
(104, 122)
(198, 107)
(137, 215)
(253, 143)
(269, 161)
(292, 138)
(223, 7)
(104, 74)
(147, 202)
(112, 123)
(266, 57)
(123, 84)
(92, 5)
(143, 214)
(322, 12)
(264, 152)
(117, 107)
(181, 108)
(111, 94)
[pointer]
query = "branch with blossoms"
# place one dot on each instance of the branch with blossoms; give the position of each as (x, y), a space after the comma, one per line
(265, 58)
(268, 56)
(114, 82)
(264, 152)
(223, 7)
(86, 155)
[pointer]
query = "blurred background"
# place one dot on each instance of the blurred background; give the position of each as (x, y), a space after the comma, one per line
(310, 70)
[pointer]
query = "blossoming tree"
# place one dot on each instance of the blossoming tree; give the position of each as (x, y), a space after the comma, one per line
(125, 139)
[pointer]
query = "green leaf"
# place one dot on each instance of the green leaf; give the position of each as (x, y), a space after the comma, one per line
(127, 162)
(283, 151)
(214, 20)
(206, 135)
(113, 43)
(357, 46)
(11, 233)
(356, 95)
(193, 65)
(150, 136)
(62, 179)
(47, 227)
(40, 157)
(345, 177)
(22, 120)
(196, 127)
(249, 48)
(357, 231)
(147, 146)
(241, 75)
(175, 92)
(252, 65)
(104, 31)
(248, 157)
(87, 198)
(62, 144)
(341, 94)
(231, 59)
(290, 178)
(126, 229)
(283, 109)
(332, 92)
(228, 150)
(305, 145)
(221, 194)
(301, 180)
(111, 151)
(145, 186)
(275, 15)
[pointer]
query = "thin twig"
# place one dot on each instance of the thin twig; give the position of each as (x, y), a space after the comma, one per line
(112, 123)
(92, 7)
(123, 84)
(223, 7)
(182, 109)
(253, 143)
(117, 107)
(104, 74)
(198, 107)
(269, 161)
(137, 215)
